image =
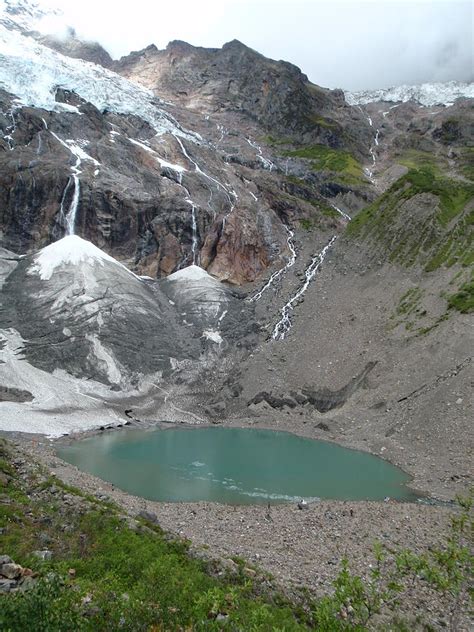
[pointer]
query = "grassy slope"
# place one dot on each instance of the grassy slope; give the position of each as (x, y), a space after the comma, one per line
(126, 577)
(442, 239)
(337, 161)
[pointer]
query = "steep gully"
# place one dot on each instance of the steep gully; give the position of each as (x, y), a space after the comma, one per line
(276, 275)
(372, 150)
(283, 326)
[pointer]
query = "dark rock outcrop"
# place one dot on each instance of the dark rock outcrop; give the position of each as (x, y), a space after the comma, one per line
(323, 400)
(276, 94)
(72, 46)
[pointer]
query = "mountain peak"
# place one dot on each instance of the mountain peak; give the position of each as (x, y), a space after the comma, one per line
(235, 43)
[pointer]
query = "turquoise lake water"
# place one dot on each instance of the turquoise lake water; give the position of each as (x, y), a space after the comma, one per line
(234, 465)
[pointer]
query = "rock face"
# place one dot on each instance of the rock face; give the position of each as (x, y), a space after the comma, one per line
(138, 178)
(236, 78)
(74, 47)
(14, 577)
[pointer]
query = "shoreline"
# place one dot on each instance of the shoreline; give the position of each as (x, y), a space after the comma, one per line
(306, 429)
(301, 549)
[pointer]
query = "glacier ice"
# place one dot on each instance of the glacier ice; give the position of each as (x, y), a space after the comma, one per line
(33, 73)
(427, 94)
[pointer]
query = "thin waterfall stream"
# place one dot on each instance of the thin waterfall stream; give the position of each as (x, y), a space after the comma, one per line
(68, 218)
(283, 326)
(276, 275)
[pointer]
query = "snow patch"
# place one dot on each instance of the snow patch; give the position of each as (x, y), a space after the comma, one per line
(214, 336)
(99, 355)
(191, 273)
(70, 250)
(426, 94)
(163, 163)
(53, 395)
(77, 151)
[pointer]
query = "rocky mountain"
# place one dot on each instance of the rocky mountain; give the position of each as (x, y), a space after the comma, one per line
(236, 78)
(197, 234)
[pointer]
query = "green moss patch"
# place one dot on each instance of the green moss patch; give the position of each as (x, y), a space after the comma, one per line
(320, 121)
(344, 167)
(465, 162)
(416, 159)
(409, 301)
(326, 159)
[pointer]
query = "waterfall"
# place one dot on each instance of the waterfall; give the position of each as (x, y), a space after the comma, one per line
(266, 163)
(194, 245)
(284, 324)
(276, 275)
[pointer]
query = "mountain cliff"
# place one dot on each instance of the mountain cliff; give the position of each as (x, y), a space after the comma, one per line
(236, 78)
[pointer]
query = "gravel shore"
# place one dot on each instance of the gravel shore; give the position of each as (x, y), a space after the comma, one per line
(299, 548)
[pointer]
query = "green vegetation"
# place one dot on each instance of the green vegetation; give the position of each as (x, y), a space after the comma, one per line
(326, 159)
(416, 159)
(298, 181)
(324, 122)
(466, 162)
(306, 223)
(409, 301)
(443, 237)
(273, 141)
(112, 572)
(463, 299)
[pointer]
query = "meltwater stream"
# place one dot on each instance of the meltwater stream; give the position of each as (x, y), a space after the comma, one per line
(235, 466)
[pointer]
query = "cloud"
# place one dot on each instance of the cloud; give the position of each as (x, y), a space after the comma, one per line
(350, 44)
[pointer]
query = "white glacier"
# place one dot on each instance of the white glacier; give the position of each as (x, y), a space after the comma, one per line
(33, 73)
(191, 273)
(427, 94)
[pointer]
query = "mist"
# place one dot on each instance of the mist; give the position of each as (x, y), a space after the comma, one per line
(352, 45)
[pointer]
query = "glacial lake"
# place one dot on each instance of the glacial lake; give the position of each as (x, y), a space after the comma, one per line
(234, 465)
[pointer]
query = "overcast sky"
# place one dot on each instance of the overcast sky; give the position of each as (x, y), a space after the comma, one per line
(349, 44)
